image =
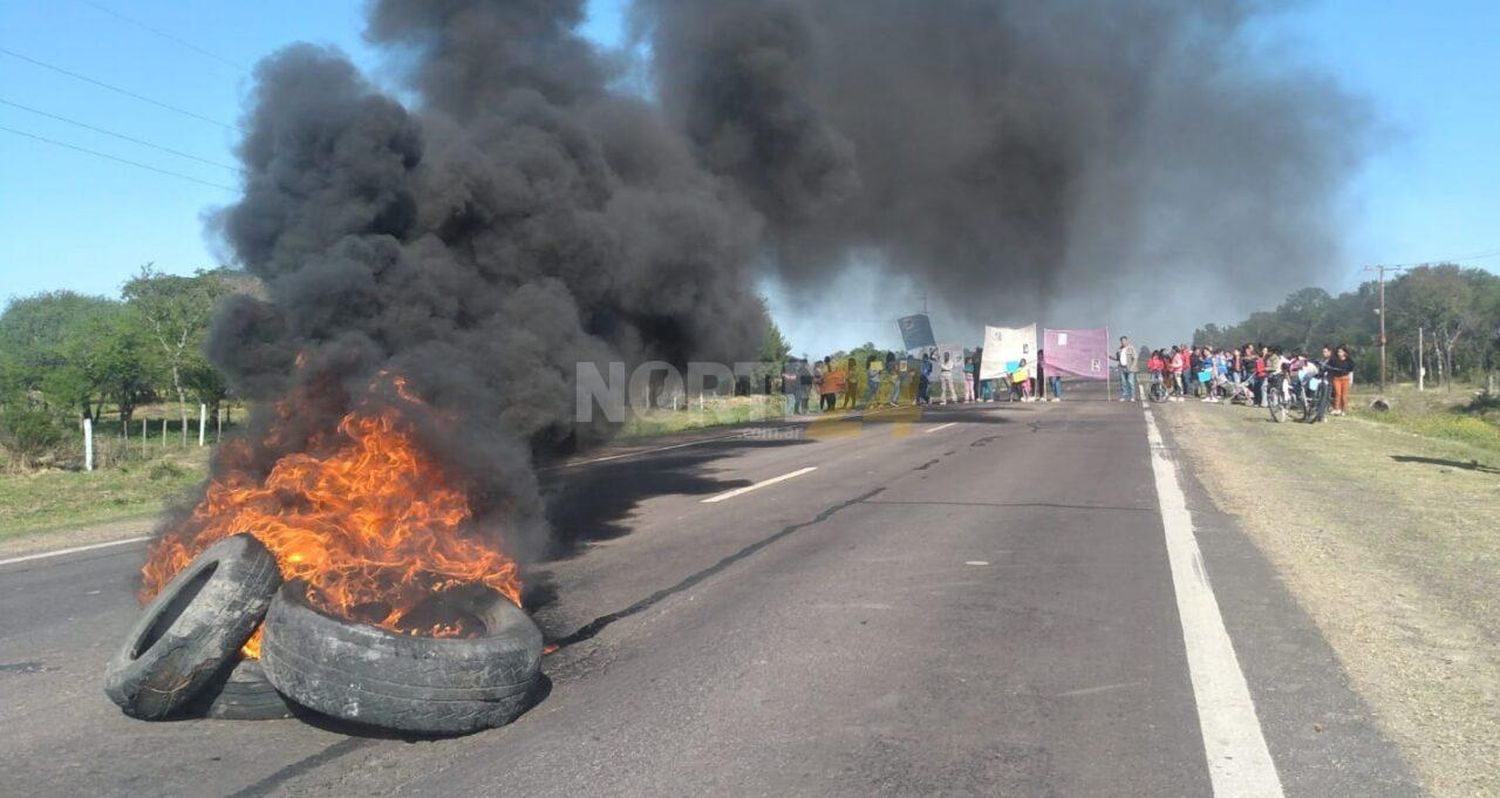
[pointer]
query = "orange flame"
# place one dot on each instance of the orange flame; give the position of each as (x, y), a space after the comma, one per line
(372, 526)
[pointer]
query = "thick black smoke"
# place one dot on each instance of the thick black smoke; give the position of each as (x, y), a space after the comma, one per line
(517, 220)
(1013, 155)
(517, 216)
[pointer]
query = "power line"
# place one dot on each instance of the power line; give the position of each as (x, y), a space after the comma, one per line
(126, 92)
(185, 43)
(120, 136)
(138, 164)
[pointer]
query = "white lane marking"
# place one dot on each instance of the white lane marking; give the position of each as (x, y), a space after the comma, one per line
(941, 427)
(1239, 763)
(74, 550)
(976, 562)
(623, 455)
(730, 494)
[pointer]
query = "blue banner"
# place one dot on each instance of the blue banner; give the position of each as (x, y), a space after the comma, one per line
(916, 332)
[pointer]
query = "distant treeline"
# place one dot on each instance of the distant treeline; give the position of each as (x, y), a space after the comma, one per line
(1457, 310)
(65, 357)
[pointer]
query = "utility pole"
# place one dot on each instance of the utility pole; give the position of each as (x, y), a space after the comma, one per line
(1381, 270)
(1421, 371)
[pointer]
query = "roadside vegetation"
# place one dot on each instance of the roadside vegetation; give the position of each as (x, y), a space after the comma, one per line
(1461, 413)
(1443, 319)
(1384, 526)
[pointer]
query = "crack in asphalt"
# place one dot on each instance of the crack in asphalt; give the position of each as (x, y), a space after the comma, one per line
(598, 625)
(301, 766)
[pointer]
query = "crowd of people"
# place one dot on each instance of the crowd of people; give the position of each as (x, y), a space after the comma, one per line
(1243, 374)
(1175, 373)
(892, 379)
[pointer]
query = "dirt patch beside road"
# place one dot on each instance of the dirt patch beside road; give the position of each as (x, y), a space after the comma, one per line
(1389, 542)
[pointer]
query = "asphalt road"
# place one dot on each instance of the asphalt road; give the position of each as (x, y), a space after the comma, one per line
(977, 601)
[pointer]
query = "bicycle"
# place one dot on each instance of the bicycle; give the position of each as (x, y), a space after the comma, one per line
(1316, 396)
(1310, 397)
(1275, 402)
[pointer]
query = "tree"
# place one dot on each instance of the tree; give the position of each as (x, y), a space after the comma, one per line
(1457, 310)
(1440, 299)
(47, 355)
(177, 311)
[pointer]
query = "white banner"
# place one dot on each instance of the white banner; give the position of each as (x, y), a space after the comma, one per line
(1004, 348)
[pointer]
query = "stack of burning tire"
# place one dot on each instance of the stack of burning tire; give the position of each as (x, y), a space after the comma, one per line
(184, 657)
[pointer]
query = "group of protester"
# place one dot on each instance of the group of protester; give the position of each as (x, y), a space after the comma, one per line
(1205, 373)
(1216, 375)
(892, 379)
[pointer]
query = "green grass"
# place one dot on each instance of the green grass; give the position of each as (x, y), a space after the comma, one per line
(43, 501)
(1460, 414)
(714, 413)
(130, 483)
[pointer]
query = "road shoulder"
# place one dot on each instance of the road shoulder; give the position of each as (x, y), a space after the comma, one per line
(1351, 656)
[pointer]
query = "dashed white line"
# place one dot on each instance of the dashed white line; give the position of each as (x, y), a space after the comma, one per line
(730, 494)
(73, 550)
(941, 427)
(1239, 763)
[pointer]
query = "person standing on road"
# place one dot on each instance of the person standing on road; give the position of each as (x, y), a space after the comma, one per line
(1039, 376)
(872, 371)
(851, 383)
(831, 386)
(1341, 372)
(1126, 359)
(970, 394)
(1175, 366)
(804, 387)
(949, 395)
(1020, 383)
(897, 370)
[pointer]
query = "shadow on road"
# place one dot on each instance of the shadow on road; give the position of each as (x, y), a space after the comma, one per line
(1472, 465)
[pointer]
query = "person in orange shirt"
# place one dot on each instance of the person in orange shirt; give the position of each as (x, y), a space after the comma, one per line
(830, 386)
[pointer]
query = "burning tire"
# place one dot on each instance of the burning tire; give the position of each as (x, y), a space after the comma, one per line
(246, 694)
(193, 628)
(432, 685)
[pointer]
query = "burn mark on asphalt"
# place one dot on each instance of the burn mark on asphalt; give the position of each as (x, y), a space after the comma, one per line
(23, 667)
(926, 465)
(598, 625)
(306, 765)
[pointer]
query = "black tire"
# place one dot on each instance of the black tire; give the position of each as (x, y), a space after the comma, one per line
(1158, 392)
(193, 629)
(1274, 403)
(244, 694)
(427, 685)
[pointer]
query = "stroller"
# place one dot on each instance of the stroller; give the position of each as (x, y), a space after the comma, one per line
(1234, 391)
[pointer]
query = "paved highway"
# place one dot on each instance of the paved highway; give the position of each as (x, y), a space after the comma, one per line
(983, 600)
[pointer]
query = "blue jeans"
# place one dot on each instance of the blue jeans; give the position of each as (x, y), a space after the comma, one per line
(872, 390)
(1127, 384)
(1056, 385)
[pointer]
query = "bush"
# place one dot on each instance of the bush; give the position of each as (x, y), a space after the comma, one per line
(26, 434)
(165, 470)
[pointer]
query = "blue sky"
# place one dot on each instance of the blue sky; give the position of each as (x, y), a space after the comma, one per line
(73, 220)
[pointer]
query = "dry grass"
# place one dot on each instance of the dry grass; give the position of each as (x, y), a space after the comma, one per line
(1458, 413)
(45, 501)
(1389, 540)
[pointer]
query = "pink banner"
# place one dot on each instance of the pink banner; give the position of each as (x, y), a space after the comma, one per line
(1082, 353)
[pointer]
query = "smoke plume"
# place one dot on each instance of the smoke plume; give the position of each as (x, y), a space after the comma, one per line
(514, 215)
(1014, 157)
(517, 220)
